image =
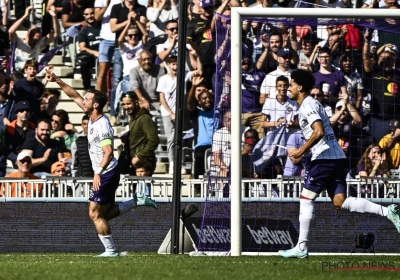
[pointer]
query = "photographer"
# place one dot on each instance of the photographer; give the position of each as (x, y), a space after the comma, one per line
(390, 144)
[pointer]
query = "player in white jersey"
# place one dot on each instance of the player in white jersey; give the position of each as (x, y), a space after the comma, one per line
(326, 170)
(106, 178)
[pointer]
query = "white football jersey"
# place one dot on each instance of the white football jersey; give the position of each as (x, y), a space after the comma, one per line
(97, 131)
(327, 148)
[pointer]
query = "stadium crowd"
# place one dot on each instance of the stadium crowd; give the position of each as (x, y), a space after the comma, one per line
(355, 70)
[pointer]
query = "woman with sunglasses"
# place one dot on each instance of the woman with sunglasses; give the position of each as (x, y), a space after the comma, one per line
(63, 130)
(131, 42)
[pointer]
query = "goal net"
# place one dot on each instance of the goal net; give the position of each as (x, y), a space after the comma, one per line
(253, 190)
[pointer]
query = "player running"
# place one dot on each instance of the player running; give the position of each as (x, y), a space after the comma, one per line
(106, 172)
(326, 168)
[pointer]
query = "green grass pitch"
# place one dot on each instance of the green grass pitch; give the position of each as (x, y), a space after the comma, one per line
(152, 266)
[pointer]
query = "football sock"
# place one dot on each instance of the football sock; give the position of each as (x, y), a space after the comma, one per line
(108, 243)
(306, 218)
(126, 206)
(361, 205)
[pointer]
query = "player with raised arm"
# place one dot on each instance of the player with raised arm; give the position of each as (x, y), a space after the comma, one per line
(326, 170)
(106, 172)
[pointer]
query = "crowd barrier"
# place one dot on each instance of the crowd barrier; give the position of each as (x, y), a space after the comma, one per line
(283, 188)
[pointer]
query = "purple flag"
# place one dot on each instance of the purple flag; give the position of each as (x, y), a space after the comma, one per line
(49, 56)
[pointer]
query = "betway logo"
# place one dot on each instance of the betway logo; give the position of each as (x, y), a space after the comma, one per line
(266, 236)
(211, 235)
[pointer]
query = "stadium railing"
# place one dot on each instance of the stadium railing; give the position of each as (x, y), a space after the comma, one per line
(281, 189)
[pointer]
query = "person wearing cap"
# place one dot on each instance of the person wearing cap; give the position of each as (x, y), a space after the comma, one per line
(273, 42)
(34, 43)
(22, 188)
(268, 86)
(19, 130)
(58, 168)
(382, 82)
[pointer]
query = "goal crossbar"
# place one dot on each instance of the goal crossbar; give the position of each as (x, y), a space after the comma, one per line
(236, 89)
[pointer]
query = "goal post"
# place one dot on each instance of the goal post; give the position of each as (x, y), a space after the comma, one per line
(236, 89)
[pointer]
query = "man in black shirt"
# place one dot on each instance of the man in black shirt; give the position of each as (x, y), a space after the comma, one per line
(118, 20)
(89, 41)
(44, 151)
(382, 82)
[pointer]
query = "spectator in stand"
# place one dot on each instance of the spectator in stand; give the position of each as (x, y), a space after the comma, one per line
(373, 163)
(58, 169)
(280, 110)
(18, 131)
(317, 93)
(250, 140)
(167, 89)
(269, 59)
(30, 47)
(4, 19)
(50, 100)
(89, 40)
(329, 75)
(21, 188)
(143, 137)
(81, 164)
(373, 4)
(347, 130)
(28, 89)
(120, 14)
(382, 82)
(201, 112)
(159, 12)
(144, 169)
(170, 46)
(334, 3)
(308, 52)
(201, 35)
(390, 144)
(43, 150)
(130, 51)
(72, 14)
(107, 40)
(354, 80)
(63, 131)
(268, 86)
(144, 79)
(251, 84)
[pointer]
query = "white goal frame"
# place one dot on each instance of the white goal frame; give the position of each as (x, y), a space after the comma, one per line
(236, 89)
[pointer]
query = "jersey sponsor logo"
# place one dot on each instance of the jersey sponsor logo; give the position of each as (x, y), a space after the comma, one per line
(311, 113)
(106, 135)
(392, 89)
(91, 131)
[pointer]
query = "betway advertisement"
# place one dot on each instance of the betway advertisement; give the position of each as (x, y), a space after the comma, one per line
(258, 235)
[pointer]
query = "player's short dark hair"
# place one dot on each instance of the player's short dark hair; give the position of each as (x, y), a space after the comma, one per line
(171, 59)
(170, 21)
(99, 97)
(43, 120)
(145, 164)
(325, 50)
(282, 78)
(85, 118)
(303, 78)
(52, 91)
(130, 94)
